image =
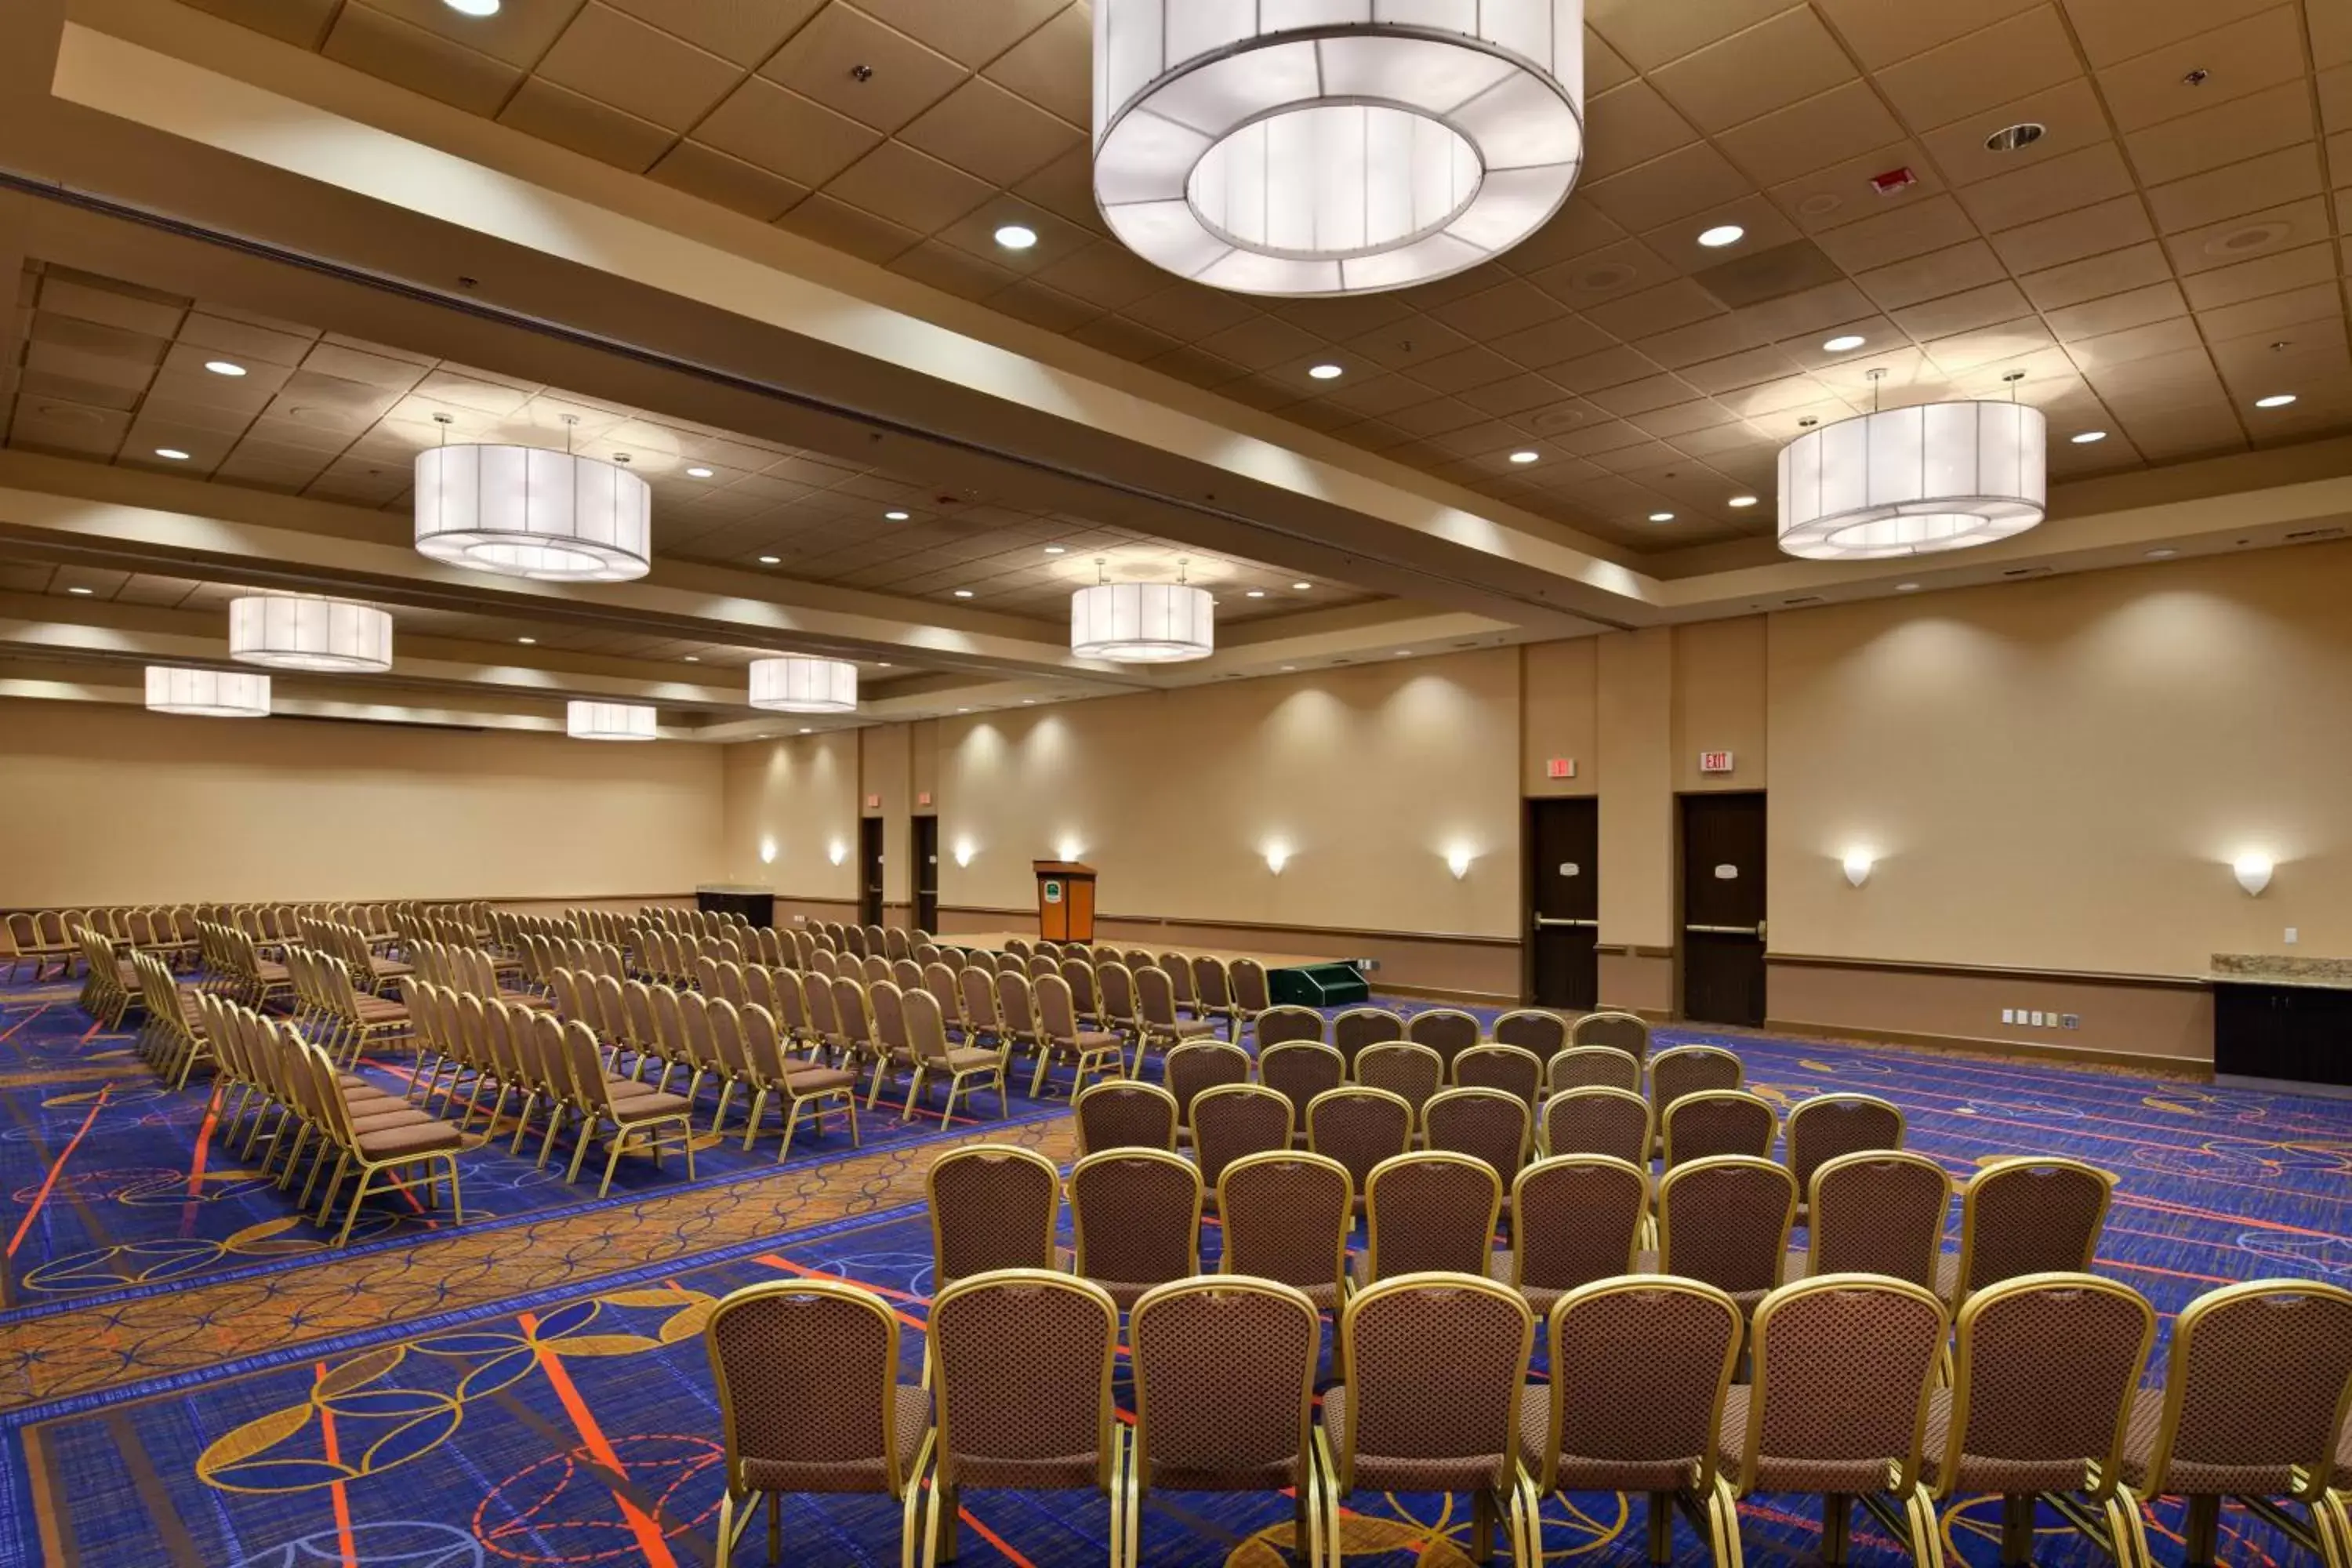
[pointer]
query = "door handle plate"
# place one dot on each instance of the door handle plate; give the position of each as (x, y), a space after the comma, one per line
(1547, 922)
(1726, 930)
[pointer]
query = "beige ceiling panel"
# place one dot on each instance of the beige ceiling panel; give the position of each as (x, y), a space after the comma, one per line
(2170, 436)
(1691, 180)
(1992, 346)
(1829, 128)
(140, 311)
(821, 62)
(518, 32)
(1983, 306)
(973, 33)
(2054, 185)
(959, 272)
(715, 176)
(1373, 394)
(2114, 30)
(2069, 237)
(1105, 274)
(1626, 268)
(1561, 338)
(989, 132)
(846, 228)
(2275, 314)
(1577, 229)
(1659, 309)
(420, 60)
(1844, 194)
(596, 130)
(1812, 311)
(745, 34)
(1767, 230)
(2116, 313)
(1681, 419)
(1042, 305)
(1713, 341)
(1191, 311)
(2248, 235)
(1609, 367)
(194, 414)
(1641, 396)
(1054, 67)
(1733, 373)
(1515, 396)
(1648, 35)
(2177, 335)
(2259, 51)
(786, 135)
(371, 372)
(2336, 98)
(241, 341)
(616, 59)
(1950, 270)
(2070, 115)
(62, 427)
(2019, 55)
(1628, 127)
(1066, 188)
(301, 22)
(1266, 341)
(1779, 62)
(1897, 234)
(1884, 31)
(2275, 179)
(183, 367)
(2113, 272)
(2237, 130)
(1500, 312)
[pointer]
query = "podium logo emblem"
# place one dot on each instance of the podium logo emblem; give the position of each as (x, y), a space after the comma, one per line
(1053, 891)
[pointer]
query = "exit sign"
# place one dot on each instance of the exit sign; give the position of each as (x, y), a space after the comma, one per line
(1560, 768)
(924, 798)
(1715, 762)
(873, 803)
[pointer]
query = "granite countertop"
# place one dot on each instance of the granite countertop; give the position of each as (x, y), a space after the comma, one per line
(2274, 969)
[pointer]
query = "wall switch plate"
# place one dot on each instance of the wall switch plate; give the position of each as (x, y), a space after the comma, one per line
(2037, 1019)
(1368, 965)
(2008, 1015)
(2070, 1020)
(2293, 936)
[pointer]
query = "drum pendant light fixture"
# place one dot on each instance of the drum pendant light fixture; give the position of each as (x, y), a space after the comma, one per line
(1913, 481)
(334, 636)
(523, 511)
(1142, 623)
(608, 720)
(207, 693)
(1334, 146)
(797, 683)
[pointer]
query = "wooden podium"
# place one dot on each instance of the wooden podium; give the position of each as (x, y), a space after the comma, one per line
(1066, 900)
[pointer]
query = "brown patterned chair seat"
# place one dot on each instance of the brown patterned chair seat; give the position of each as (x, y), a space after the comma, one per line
(1272, 1476)
(390, 968)
(644, 1105)
(532, 1000)
(2188, 1477)
(967, 1059)
(1543, 1298)
(1849, 1478)
(1647, 1263)
(818, 1080)
(1385, 1473)
(349, 1080)
(270, 973)
(1068, 1472)
(395, 1142)
(913, 1421)
(1098, 1040)
(1580, 1474)
(389, 1118)
(382, 1010)
(1980, 1474)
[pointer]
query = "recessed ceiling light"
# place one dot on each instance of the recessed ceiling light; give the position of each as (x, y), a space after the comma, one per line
(473, 7)
(895, 516)
(84, 590)
(1255, 594)
(1906, 587)
(808, 729)
(1846, 343)
(2084, 437)
(224, 367)
(1404, 653)
(1057, 550)
(1721, 234)
(1016, 235)
(694, 659)
(883, 664)
(1028, 702)
(1289, 667)
(963, 592)
(1742, 500)
(2275, 400)
(772, 560)
(2162, 554)
(1527, 456)
(1324, 372)
(697, 473)
(1302, 587)
(1662, 517)
(2010, 138)
(176, 456)
(963, 710)
(528, 642)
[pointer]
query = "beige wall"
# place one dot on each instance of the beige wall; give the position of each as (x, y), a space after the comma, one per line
(789, 805)
(103, 805)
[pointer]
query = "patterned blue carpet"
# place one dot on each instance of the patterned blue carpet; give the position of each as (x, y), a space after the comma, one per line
(558, 1409)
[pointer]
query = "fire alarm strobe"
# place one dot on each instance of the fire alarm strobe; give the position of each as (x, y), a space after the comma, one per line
(1893, 180)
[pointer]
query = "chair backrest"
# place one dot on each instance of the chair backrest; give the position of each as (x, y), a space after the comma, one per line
(1639, 1370)
(1202, 1412)
(1198, 1065)
(1042, 964)
(807, 1371)
(1211, 984)
(1135, 1214)
(1402, 1068)
(1286, 1215)
(940, 979)
(1234, 1120)
(1437, 1366)
(1431, 1210)
(1022, 1376)
(1080, 975)
(1057, 1008)
(895, 943)
(1126, 1114)
(1360, 1126)
(1178, 969)
(1448, 1031)
(1826, 1125)
(1690, 1069)
(2031, 1215)
(902, 971)
(926, 1026)
(1486, 1125)
(1878, 1212)
(1532, 1029)
(1115, 988)
(1249, 985)
(876, 969)
(1285, 1022)
(1300, 1069)
(2045, 1371)
(1156, 995)
(993, 1205)
(1016, 1004)
(1718, 1122)
(1844, 1365)
(1357, 1027)
(1576, 1219)
(1514, 1070)
(1610, 1122)
(1593, 1066)
(1726, 1220)
(853, 1012)
(976, 992)
(1626, 1031)
(2258, 1378)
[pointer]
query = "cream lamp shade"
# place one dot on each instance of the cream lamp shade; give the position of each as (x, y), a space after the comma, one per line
(1142, 623)
(608, 720)
(329, 634)
(207, 693)
(523, 511)
(1913, 481)
(797, 683)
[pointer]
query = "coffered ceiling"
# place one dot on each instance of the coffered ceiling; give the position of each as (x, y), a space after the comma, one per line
(2172, 247)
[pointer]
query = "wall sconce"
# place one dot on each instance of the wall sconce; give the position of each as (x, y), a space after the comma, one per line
(1857, 864)
(1068, 848)
(767, 851)
(2254, 873)
(963, 852)
(1278, 856)
(837, 852)
(1458, 862)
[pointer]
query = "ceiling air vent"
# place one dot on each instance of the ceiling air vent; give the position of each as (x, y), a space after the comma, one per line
(2027, 571)
(1802, 599)
(2312, 535)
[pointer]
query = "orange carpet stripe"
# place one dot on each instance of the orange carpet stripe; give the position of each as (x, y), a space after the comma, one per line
(2166, 1206)
(25, 1020)
(1002, 1545)
(789, 1267)
(650, 1543)
(344, 1541)
(50, 1180)
(2167, 1273)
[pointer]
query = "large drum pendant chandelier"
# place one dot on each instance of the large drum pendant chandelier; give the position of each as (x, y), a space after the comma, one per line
(1913, 481)
(1143, 623)
(584, 721)
(207, 693)
(523, 511)
(799, 684)
(330, 635)
(1334, 146)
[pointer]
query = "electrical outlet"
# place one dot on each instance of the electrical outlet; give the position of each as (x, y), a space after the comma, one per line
(2070, 1020)
(1368, 965)
(2008, 1015)
(2037, 1018)
(2293, 936)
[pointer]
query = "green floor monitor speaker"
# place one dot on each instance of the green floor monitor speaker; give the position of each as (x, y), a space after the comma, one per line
(1319, 985)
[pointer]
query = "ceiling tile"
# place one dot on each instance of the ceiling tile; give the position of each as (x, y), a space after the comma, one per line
(620, 62)
(2242, 59)
(958, 272)
(2273, 314)
(989, 132)
(821, 62)
(420, 60)
(2022, 54)
(1042, 305)
(2107, 226)
(714, 176)
(1564, 338)
(1829, 128)
(1884, 31)
(1844, 194)
(1106, 274)
(516, 34)
(973, 34)
(1648, 34)
(1953, 313)
(1711, 341)
(2248, 235)
(2070, 115)
(745, 34)
(2275, 179)
(2048, 188)
(1899, 234)
(2177, 335)
(2114, 30)
(2234, 130)
(1628, 127)
(2110, 273)
(302, 23)
(1777, 62)
(1690, 180)
(846, 228)
(599, 130)
(1054, 67)
(2116, 312)
(1659, 309)
(2275, 273)
(781, 131)
(1968, 265)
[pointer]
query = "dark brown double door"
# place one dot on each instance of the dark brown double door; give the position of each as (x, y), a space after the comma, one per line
(1723, 909)
(869, 870)
(927, 873)
(1563, 840)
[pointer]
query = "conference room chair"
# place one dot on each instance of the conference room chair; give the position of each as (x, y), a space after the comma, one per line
(2030, 1214)
(757, 982)
(904, 973)
(1618, 1026)
(1428, 1210)
(874, 970)
(1639, 1374)
(853, 1020)
(1414, 1072)
(1824, 1126)
(110, 982)
(976, 1003)
(2257, 1382)
(29, 943)
(992, 1206)
(1212, 995)
(1358, 1028)
(1448, 1031)
(1156, 1002)
(1843, 1367)
(1726, 1220)
(1286, 1215)
(1116, 1008)
(1610, 1122)
(1179, 970)
(964, 1068)
(878, 941)
(1123, 1113)
(1052, 949)
(1689, 1070)
(1067, 1039)
(1288, 1021)
(1360, 1126)
(896, 943)
(894, 1051)
(1875, 1212)
(2043, 1386)
(701, 1045)
(1251, 996)
(1078, 974)
(1532, 1029)
(538, 1069)
(1016, 1015)
(809, 1402)
(825, 1024)
(1040, 964)
(358, 1022)
(733, 1070)
(1593, 1066)
(1299, 1070)
(801, 1089)
(1486, 1124)
(1021, 1378)
(825, 963)
(1437, 1370)
(1207, 1420)
(1196, 1065)
(1717, 1121)
(1019, 947)
(609, 1108)
(1576, 1219)
(376, 1153)
(1514, 1070)
(1232, 1121)
(1135, 1215)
